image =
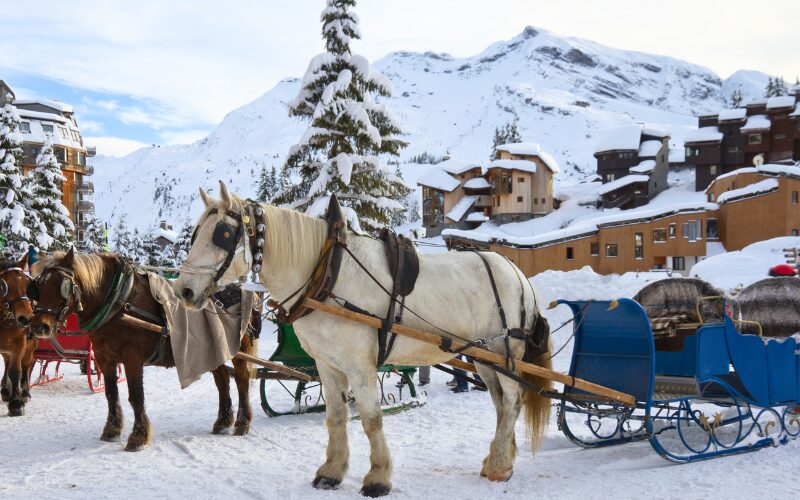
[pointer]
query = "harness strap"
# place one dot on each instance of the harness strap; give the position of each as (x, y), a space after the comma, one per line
(388, 321)
(510, 363)
(115, 299)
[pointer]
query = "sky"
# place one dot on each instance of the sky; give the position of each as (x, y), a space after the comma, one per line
(167, 72)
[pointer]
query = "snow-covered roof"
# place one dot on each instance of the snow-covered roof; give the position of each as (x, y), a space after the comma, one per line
(796, 111)
(57, 105)
(732, 114)
(644, 167)
(774, 169)
(756, 122)
(783, 101)
(532, 149)
(622, 182)
(477, 183)
(62, 133)
(521, 165)
(459, 209)
(437, 178)
(677, 155)
(649, 149)
(743, 170)
(704, 134)
(167, 234)
(455, 167)
(655, 131)
(624, 138)
(759, 187)
(476, 217)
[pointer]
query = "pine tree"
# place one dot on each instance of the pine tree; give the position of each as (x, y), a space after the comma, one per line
(13, 231)
(183, 243)
(780, 87)
(507, 134)
(736, 99)
(412, 213)
(267, 184)
(137, 248)
(770, 90)
(123, 240)
(94, 236)
(46, 203)
(348, 131)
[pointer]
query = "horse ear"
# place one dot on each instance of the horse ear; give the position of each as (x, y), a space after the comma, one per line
(69, 258)
(207, 200)
(23, 263)
(224, 195)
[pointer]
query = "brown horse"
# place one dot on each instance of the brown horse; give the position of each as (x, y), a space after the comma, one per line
(67, 283)
(16, 347)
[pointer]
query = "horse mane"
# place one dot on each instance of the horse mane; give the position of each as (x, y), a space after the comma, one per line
(89, 268)
(290, 237)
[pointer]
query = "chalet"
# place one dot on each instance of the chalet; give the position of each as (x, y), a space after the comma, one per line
(43, 120)
(462, 195)
(743, 207)
(165, 236)
(731, 139)
(633, 162)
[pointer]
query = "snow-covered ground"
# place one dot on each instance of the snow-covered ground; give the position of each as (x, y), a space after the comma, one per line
(54, 451)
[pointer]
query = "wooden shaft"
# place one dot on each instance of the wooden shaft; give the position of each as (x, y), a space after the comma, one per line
(457, 363)
(138, 323)
(276, 367)
(477, 353)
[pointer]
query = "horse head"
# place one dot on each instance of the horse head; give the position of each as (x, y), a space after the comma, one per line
(13, 293)
(55, 291)
(220, 252)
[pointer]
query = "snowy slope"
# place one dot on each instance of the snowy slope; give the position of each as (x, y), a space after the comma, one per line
(563, 91)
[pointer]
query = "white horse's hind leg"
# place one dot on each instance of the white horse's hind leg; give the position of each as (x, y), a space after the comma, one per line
(377, 482)
(499, 464)
(334, 384)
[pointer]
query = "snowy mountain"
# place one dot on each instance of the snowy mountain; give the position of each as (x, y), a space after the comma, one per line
(562, 91)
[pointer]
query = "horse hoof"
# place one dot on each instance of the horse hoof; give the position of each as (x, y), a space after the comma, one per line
(109, 438)
(135, 446)
(26, 397)
(326, 483)
(375, 490)
(5, 396)
(499, 476)
(241, 430)
(220, 429)
(16, 412)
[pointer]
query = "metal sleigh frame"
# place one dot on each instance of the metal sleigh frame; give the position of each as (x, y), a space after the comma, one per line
(723, 393)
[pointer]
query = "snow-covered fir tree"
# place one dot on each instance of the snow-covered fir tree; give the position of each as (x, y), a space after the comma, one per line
(736, 98)
(47, 205)
(150, 250)
(412, 212)
(507, 134)
(123, 239)
(348, 131)
(94, 236)
(13, 230)
(267, 184)
(776, 87)
(183, 243)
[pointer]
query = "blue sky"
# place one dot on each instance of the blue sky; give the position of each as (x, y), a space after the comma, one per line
(156, 72)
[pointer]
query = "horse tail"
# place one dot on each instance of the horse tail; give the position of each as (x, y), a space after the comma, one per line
(537, 407)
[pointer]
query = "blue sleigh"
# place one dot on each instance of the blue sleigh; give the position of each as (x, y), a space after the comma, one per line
(710, 391)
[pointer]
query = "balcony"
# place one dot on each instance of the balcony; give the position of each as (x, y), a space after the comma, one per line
(483, 200)
(86, 187)
(89, 170)
(84, 206)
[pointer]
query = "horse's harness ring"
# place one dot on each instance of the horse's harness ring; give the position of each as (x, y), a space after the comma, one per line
(68, 288)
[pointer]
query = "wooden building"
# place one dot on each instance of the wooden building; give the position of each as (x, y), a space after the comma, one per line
(43, 120)
(633, 161)
(750, 205)
(731, 139)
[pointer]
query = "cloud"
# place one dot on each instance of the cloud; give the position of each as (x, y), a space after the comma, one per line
(91, 126)
(114, 146)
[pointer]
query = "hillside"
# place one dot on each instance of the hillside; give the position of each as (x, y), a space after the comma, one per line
(562, 91)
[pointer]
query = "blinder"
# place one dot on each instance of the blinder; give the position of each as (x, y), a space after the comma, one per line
(32, 291)
(3, 288)
(225, 236)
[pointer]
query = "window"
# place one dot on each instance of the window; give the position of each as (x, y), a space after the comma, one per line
(754, 139)
(611, 250)
(25, 127)
(794, 197)
(520, 179)
(712, 232)
(695, 229)
(638, 249)
(502, 183)
(519, 199)
(712, 170)
(570, 253)
(594, 249)
(659, 235)
(47, 128)
(678, 264)
(609, 177)
(81, 158)
(780, 136)
(543, 202)
(684, 230)
(672, 230)
(794, 232)
(625, 155)
(692, 151)
(711, 197)
(733, 149)
(61, 154)
(536, 201)
(63, 133)
(432, 207)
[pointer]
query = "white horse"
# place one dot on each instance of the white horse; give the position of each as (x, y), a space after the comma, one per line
(452, 291)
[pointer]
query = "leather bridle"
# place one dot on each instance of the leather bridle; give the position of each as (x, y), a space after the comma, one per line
(69, 292)
(9, 304)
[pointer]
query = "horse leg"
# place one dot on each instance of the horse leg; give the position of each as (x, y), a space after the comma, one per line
(334, 384)
(492, 382)
(115, 420)
(142, 432)
(499, 464)
(244, 415)
(225, 413)
(378, 481)
(27, 361)
(16, 405)
(5, 385)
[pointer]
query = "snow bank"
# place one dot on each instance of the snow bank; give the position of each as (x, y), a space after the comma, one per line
(742, 268)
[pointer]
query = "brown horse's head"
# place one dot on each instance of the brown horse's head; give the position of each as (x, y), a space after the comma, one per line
(16, 306)
(55, 291)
